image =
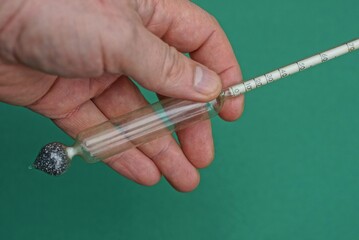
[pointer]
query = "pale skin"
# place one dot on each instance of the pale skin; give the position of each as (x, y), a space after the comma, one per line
(69, 60)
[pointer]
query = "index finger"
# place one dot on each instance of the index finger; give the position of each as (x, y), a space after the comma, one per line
(189, 28)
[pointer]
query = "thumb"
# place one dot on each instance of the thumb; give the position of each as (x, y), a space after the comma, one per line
(161, 68)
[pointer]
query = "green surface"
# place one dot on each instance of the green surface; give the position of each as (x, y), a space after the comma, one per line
(289, 169)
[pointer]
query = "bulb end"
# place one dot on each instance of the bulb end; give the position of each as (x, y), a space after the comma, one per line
(53, 159)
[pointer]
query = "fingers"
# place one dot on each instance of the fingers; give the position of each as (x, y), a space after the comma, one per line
(124, 97)
(132, 164)
(136, 166)
(161, 68)
(67, 102)
(188, 28)
(197, 143)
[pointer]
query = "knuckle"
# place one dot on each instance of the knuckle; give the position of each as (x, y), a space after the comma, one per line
(12, 23)
(165, 146)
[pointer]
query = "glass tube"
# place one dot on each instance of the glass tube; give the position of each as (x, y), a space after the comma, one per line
(142, 126)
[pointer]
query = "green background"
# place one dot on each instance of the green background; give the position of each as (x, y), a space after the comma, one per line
(288, 169)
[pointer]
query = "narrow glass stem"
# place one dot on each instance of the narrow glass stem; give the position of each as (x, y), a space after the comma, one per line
(227, 94)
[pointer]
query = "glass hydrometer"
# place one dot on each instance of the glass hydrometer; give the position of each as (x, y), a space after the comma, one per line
(164, 117)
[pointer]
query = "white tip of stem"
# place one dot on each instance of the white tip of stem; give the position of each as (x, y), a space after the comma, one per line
(72, 151)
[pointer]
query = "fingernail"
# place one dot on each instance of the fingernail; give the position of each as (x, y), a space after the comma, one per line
(206, 81)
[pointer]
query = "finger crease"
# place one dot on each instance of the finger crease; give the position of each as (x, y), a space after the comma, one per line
(169, 27)
(227, 69)
(38, 100)
(69, 114)
(103, 55)
(163, 150)
(206, 40)
(111, 160)
(155, 7)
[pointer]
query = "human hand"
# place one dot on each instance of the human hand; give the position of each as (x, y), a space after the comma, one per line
(70, 60)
